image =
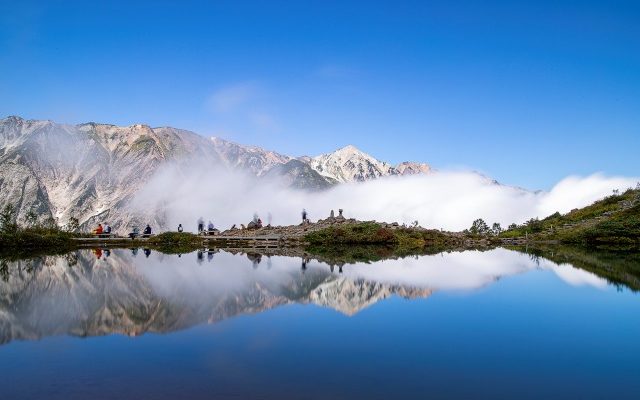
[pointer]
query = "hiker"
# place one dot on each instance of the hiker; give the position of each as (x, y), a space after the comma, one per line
(180, 228)
(135, 232)
(304, 215)
(98, 231)
(200, 225)
(107, 229)
(210, 226)
(147, 231)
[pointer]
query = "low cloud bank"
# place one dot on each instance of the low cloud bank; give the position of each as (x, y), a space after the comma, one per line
(443, 200)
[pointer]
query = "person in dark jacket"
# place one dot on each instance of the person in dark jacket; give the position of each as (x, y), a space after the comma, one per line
(147, 231)
(180, 228)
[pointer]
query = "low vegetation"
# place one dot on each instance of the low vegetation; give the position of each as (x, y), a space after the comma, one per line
(36, 235)
(372, 233)
(614, 220)
(175, 242)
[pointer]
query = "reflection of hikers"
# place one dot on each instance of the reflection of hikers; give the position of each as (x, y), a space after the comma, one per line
(147, 252)
(98, 253)
(304, 215)
(180, 228)
(147, 231)
(200, 225)
(210, 226)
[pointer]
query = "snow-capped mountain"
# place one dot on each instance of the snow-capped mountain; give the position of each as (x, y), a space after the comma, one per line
(93, 171)
(349, 164)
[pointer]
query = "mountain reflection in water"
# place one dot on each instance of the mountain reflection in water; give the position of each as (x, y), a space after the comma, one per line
(89, 293)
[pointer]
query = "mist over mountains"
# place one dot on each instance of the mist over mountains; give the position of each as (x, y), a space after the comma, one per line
(165, 176)
(93, 171)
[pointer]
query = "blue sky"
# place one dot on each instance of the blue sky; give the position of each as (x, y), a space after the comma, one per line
(526, 92)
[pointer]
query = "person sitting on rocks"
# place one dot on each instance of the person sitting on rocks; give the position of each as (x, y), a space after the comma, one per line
(180, 229)
(99, 230)
(107, 229)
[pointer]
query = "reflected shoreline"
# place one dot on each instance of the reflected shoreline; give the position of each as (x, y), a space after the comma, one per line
(139, 290)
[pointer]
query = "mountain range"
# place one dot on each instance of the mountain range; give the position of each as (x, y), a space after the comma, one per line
(93, 171)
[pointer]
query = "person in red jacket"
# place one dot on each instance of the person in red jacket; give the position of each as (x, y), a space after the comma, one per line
(99, 230)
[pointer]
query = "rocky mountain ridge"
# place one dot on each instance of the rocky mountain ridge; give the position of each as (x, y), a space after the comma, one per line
(92, 171)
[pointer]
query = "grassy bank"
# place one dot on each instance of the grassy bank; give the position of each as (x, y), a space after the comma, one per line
(614, 220)
(175, 242)
(372, 233)
(34, 238)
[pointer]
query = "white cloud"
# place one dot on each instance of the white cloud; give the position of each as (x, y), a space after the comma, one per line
(447, 200)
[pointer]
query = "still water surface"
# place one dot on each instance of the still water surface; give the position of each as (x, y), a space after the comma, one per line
(493, 324)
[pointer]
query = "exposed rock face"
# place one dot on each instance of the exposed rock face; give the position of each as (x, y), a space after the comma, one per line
(89, 171)
(93, 171)
(300, 175)
(411, 168)
(250, 158)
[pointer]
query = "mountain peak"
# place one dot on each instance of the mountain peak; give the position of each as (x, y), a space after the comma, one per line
(349, 147)
(349, 164)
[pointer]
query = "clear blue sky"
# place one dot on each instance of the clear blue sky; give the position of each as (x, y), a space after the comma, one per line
(527, 92)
